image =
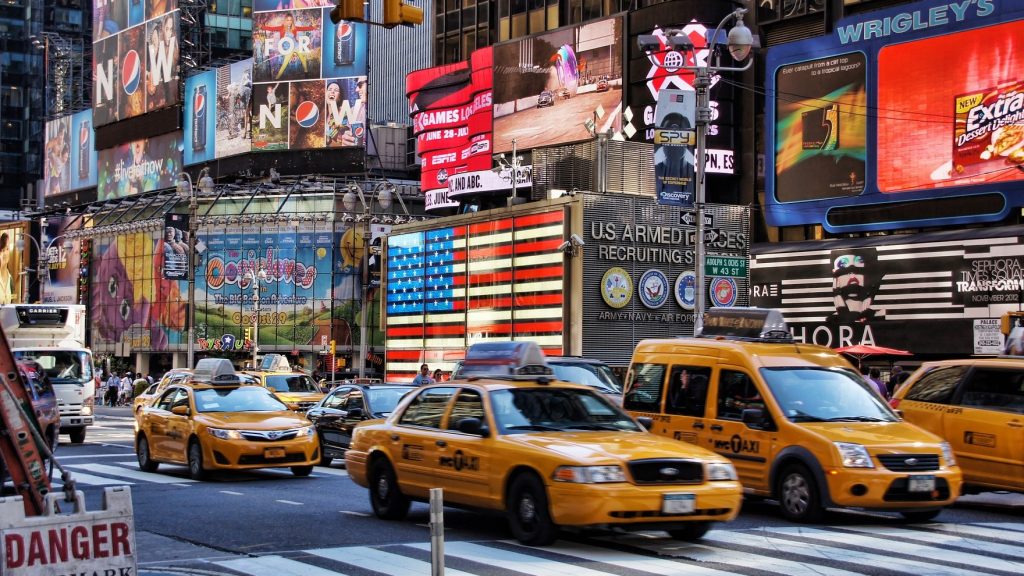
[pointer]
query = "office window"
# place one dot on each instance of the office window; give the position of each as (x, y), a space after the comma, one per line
(468, 43)
(519, 25)
(451, 49)
(504, 29)
(552, 16)
(537, 21)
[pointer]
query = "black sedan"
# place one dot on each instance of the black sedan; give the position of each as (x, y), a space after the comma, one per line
(347, 405)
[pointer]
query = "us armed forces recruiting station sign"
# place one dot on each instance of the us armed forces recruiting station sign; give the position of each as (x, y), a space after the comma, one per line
(927, 293)
(639, 277)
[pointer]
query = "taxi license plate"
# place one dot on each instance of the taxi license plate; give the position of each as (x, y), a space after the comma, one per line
(273, 453)
(678, 504)
(921, 484)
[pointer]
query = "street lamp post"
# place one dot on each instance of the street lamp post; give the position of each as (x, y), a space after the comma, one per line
(187, 190)
(740, 41)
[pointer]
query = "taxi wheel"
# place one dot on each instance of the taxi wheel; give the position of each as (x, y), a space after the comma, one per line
(528, 514)
(302, 470)
(195, 461)
(691, 532)
(387, 500)
(798, 495)
(920, 515)
(146, 463)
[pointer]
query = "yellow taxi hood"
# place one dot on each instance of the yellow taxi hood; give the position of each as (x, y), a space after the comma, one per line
(587, 447)
(282, 420)
(875, 434)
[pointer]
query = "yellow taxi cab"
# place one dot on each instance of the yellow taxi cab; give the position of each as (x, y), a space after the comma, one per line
(296, 389)
(978, 406)
(799, 422)
(214, 421)
(173, 376)
(550, 454)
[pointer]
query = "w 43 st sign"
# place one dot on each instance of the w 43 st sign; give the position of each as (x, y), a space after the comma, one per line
(725, 266)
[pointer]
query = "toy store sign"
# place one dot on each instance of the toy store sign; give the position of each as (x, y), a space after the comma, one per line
(226, 343)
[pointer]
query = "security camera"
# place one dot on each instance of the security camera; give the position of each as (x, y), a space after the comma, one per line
(576, 240)
(564, 246)
(649, 42)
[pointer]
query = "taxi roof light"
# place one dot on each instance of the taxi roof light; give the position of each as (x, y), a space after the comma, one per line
(507, 360)
(275, 363)
(216, 371)
(746, 323)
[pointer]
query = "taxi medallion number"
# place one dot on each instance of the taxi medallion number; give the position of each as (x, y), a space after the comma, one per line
(921, 484)
(678, 504)
(273, 453)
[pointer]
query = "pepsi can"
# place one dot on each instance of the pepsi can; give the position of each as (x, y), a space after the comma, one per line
(84, 146)
(199, 118)
(344, 43)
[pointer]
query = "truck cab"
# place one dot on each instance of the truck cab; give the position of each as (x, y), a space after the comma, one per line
(54, 337)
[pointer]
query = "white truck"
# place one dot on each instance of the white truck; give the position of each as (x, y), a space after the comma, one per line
(54, 336)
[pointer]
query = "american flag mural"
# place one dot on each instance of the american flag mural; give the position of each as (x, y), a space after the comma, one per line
(450, 287)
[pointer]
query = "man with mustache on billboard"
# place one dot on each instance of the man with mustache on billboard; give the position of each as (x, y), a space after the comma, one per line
(855, 281)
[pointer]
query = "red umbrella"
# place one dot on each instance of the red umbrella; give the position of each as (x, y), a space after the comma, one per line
(861, 351)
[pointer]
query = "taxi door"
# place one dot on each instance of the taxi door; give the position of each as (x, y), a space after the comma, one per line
(686, 402)
(179, 427)
(417, 439)
(749, 449)
(986, 429)
(155, 424)
(464, 458)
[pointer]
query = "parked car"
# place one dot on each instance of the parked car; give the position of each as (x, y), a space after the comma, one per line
(347, 405)
(546, 98)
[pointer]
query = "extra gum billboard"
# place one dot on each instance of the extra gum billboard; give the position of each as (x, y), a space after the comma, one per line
(905, 117)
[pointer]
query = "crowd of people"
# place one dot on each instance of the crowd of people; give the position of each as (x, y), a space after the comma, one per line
(120, 390)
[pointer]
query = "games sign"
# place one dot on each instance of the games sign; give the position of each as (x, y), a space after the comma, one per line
(943, 153)
(70, 158)
(135, 58)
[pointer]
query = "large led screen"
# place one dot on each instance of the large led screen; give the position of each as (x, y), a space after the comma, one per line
(70, 158)
(200, 141)
(135, 58)
(309, 81)
(933, 134)
(451, 109)
(139, 166)
(548, 88)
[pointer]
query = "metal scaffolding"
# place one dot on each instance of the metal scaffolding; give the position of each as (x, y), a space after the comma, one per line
(195, 47)
(68, 78)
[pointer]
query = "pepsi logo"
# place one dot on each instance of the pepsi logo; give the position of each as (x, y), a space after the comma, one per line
(199, 102)
(307, 113)
(346, 30)
(131, 72)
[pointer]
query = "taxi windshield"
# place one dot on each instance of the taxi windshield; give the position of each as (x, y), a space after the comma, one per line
(825, 395)
(241, 399)
(524, 410)
(291, 383)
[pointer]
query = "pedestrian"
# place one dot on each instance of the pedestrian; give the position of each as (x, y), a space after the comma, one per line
(139, 386)
(124, 397)
(896, 377)
(875, 377)
(423, 378)
(438, 375)
(113, 387)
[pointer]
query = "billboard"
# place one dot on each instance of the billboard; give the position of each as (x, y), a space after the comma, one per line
(12, 261)
(200, 140)
(652, 72)
(932, 294)
(233, 97)
(70, 157)
(862, 147)
(64, 276)
(139, 166)
(451, 109)
(135, 58)
(304, 97)
(560, 86)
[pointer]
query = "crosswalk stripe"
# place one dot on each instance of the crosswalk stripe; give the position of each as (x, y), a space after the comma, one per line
(634, 561)
(895, 547)
(129, 473)
(763, 539)
(381, 561)
(717, 547)
(83, 478)
(936, 538)
(970, 530)
(514, 561)
(1015, 526)
(275, 566)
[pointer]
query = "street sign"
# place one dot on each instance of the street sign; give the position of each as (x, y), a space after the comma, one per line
(711, 234)
(725, 266)
(689, 218)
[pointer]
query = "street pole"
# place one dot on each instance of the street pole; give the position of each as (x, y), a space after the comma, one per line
(702, 84)
(192, 229)
(255, 317)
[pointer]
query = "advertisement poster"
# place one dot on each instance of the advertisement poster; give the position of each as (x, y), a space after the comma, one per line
(200, 124)
(286, 45)
(135, 58)
(344, 48)
(307, 127)
(821, 128)
(865, 141)
(137, 306)
(451, 109)
(175, 246)
(139, 166)
(557, 87)
(924, 294)
(270, 116)
(57, 176)
(11, 260)
(675, 144)
(234, 109)
(63, 264)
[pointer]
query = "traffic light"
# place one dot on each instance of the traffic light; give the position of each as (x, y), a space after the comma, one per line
(351, 10)
(248, 334)
(332, 347)
(397, 12)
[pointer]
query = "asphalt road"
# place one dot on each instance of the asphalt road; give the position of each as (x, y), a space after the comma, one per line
(271, 523)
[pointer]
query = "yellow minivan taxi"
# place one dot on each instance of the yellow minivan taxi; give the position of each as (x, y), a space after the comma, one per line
(296, 389)
(978, 406)
(798, 421)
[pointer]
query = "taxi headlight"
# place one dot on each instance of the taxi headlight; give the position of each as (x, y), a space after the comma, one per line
(721, 471)
(854, 455)
(224, 434)
(947, 454)
(305, 431)
(589, 474)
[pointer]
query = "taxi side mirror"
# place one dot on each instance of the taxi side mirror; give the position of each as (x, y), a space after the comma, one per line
(646, 421)
(180, 410)
(472, 426)
(754, 418)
